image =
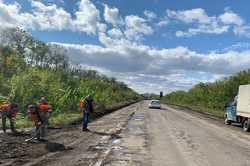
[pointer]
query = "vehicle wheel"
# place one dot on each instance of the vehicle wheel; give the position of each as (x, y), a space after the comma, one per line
(227, 122)
(246, 125)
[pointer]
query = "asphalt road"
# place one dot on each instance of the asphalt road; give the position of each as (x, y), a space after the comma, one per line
(179, 138)
(138, 136)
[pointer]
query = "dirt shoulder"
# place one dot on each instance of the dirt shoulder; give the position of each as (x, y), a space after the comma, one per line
(15, 151)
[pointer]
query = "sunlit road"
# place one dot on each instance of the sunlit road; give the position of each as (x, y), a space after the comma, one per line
(178, 138)
(136, 135)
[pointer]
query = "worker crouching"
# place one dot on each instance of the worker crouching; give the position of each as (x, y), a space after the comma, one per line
(39, 114)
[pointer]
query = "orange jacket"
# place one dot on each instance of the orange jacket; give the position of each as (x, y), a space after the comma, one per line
(33, 113)
(82, 104)
(7, 108)
(45, 109)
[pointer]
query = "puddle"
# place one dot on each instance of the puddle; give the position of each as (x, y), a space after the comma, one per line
(132, 127)
(116, 141)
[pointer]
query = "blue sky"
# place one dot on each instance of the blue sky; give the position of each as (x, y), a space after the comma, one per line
(153, 46)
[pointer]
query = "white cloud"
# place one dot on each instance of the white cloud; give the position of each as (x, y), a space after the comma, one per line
(189, 16)
(202, 23)
(242, 30)
(124, 57)
(116, 33)
(163, 64)
(209, 29)
(87, 17)
(150, 15)
(10, 16)
(111, 15)
(51, 17)
(136, 26)
(230, 17)
(238, 47)
(163, 23)
(150, 60)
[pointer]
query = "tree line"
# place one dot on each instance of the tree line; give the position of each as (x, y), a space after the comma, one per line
(30, 69)
(214, 96)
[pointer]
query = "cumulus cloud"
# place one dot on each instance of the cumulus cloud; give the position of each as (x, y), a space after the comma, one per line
(111, 15)
(10, 16)
(230, 17)
(150, 15)
(144, 62)
(203, 23)
(51, 17)
(189, 16)
(87, 17)
(163, 23)
(242, 30)
(161, 64)
(209, 29)
(116, 33)
(135, 26)
(123, 54)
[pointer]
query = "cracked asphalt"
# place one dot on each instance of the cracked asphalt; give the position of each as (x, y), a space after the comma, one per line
(136, 136)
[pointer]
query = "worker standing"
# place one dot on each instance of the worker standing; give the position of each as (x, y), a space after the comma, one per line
(44, 110)
(9, 111)
(87, 106)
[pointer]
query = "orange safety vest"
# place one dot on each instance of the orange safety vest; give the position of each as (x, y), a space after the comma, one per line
(45, 109)
(34, 114)
(5, 107)
(82, 104)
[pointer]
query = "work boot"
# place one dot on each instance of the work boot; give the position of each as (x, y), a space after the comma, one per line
(85, 130)
(42, 139)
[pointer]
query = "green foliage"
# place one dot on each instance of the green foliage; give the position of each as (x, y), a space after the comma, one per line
(31, 69)
(213, 96)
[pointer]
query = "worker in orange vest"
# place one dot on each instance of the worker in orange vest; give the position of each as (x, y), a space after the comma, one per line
(39, 114)
(34, 115)
(9, 111)
(87, 106)
(45, 111)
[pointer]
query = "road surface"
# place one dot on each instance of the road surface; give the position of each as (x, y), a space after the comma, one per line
(136, 135)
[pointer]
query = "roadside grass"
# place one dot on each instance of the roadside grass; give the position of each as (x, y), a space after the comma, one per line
(65, 118)
(55, 120)
(200, 109)
(73, 117)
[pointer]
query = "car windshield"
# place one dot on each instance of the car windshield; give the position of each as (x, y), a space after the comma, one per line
(155, 102)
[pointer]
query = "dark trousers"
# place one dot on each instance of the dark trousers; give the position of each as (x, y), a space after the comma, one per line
(85, 120)
(41, 131)
(12, 122)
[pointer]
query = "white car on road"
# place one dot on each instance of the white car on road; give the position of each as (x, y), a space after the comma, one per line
(155, 104)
